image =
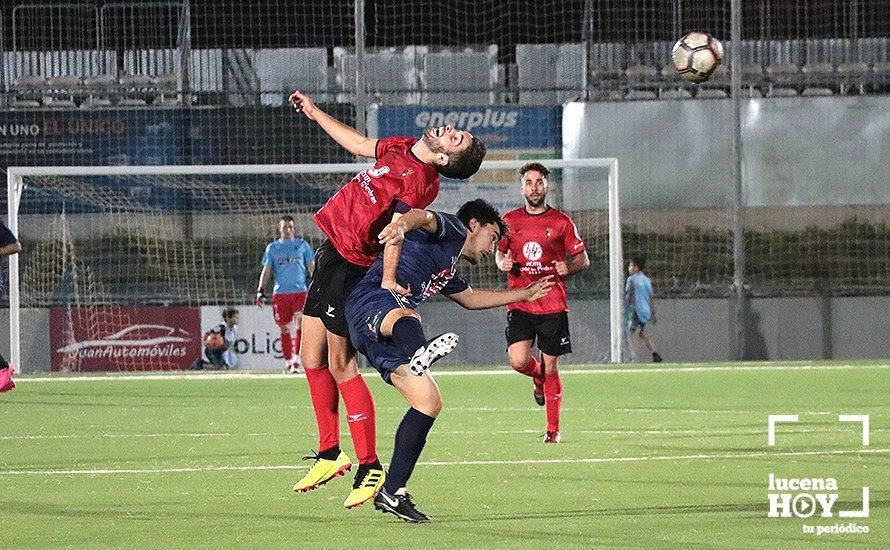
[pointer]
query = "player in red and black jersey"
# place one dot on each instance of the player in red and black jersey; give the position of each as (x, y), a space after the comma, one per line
(376, 208)
(541, 241)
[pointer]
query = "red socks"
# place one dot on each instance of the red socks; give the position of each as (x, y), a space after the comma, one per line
(553, 399)
(287, 346)
(531, 368)
(362, 418)
(297, 338)
(325, 401)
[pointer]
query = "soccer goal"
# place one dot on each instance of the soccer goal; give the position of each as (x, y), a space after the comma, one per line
(123, 267)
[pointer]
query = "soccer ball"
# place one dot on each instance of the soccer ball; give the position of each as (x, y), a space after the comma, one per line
(214, 341)
(696, 56)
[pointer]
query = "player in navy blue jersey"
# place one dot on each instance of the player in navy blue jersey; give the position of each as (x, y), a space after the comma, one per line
(9, 245)
(385, 328)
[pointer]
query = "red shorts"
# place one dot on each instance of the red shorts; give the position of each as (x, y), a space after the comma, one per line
(285, 306)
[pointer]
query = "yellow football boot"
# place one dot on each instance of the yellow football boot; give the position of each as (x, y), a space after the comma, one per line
(368, 481)
(323, 471)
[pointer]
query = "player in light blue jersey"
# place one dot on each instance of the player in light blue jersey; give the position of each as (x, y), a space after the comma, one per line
(291, 260)
(640, 305)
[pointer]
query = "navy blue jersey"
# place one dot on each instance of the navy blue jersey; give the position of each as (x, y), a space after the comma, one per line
(428, 263)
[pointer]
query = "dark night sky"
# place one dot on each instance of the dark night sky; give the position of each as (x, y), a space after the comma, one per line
(277, 23)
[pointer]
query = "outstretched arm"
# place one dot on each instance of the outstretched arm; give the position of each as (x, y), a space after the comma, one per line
(347, 137)
(487, 299)
(391, 238)
(10, 249)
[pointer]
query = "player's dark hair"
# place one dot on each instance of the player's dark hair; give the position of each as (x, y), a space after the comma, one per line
(639, 261)
(482, 212)
(536, 166)
(463, 164)
(286, 218)
(228, 313)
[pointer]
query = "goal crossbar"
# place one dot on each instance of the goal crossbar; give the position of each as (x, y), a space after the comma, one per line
(15, 186)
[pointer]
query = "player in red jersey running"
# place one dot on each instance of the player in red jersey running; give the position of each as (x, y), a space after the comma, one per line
(376, 207)
(542, 241)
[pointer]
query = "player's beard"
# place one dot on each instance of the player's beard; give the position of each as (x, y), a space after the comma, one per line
(536, 203)
(432, 142)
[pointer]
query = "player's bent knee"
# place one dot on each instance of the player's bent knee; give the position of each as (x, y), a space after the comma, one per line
(430, 404)
(393, 316)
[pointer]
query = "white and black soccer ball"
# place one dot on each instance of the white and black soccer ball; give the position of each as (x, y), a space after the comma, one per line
(696, 56)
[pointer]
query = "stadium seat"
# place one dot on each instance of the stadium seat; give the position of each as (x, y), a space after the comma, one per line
(856, 68)
(781, 92)
(459, 77)
(640, 73)
(640, 94)
(131, 102)
(711, 93)
(60, 103)
(281, 70)
(29, 91)
(26, 104)
(93, 102)
(167, 101)
(390, 75)
(817, 69)
(606, 73)
(607, 95)
(536, 66)
(569, 72)
(675, 93)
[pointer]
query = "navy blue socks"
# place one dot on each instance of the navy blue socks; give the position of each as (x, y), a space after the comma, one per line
(410, 439)
(407, 335)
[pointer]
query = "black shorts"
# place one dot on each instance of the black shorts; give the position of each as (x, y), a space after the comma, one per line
(332, 281)
(550, 331)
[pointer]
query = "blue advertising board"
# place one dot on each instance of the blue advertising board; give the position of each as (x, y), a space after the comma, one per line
(500, 126)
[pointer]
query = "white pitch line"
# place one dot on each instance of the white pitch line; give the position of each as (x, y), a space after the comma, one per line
(729, 456)
(439, 373)
(459, 432)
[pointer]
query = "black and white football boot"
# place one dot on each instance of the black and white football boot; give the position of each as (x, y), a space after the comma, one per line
(435, 349)
(399, 505)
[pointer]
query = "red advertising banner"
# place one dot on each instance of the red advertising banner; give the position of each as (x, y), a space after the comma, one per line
(112, 338)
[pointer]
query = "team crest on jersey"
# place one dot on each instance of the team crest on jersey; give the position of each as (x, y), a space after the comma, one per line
(532, 251)
(548, 232)
(377, 172)
(407, 172)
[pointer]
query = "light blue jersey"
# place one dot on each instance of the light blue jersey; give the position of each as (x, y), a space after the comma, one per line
(639, 291)
(288, 260)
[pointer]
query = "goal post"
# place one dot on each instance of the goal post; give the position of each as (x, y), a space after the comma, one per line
(105, 230)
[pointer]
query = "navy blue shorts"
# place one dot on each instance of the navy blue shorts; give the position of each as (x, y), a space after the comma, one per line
(634, 324)
(365, 310)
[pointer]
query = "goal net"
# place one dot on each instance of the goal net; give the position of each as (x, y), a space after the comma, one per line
(124, 268)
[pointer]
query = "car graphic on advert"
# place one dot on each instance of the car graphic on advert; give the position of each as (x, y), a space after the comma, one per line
(145, 336)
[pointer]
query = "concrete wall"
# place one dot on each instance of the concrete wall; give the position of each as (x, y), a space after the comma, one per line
(689, 330)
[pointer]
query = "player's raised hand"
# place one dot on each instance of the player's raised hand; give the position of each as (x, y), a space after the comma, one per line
(302, 103)
(539, 288)
(395, 287)
(506, 264)
(393, 233)
(561, 268)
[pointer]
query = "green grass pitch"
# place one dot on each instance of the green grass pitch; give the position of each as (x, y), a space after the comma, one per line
(671, 457)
